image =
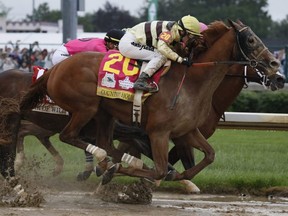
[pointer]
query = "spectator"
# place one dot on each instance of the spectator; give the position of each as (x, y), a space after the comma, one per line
(8, 62)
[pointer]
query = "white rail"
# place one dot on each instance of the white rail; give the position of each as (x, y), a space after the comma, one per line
(262, 121)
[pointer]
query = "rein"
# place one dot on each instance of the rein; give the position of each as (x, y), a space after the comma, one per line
(204, 64)
(181, 83)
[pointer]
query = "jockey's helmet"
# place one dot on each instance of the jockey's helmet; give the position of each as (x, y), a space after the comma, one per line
(114, 35)
(189, 24)
(203, 27)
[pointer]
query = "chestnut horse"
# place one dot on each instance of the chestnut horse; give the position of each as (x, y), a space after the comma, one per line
(73, 83)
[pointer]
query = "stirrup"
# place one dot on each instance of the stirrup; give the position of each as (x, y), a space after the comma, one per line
(146, 87)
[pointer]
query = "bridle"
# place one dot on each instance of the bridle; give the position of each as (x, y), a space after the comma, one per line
(241, 36)
(261, 77)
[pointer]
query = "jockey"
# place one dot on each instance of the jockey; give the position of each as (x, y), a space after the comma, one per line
(110, 41)
(152, 42)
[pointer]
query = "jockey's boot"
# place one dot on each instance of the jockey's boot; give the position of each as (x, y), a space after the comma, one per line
(143, 83)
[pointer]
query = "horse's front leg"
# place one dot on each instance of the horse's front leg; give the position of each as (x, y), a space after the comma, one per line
(70, 135)
(195, 139)
(183, 151)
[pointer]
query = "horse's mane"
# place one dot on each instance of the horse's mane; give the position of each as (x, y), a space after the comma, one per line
(215, 30)
(200, 45)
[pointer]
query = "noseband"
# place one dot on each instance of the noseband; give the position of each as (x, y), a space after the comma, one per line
(262, 78)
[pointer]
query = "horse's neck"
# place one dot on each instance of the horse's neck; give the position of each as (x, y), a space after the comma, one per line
(223, 97)
(225, 94)
(221, 50)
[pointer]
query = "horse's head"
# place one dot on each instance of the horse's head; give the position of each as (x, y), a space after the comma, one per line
(252, 49)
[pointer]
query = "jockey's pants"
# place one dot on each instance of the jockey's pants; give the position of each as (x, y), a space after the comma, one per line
(129, 47)
(60, 54)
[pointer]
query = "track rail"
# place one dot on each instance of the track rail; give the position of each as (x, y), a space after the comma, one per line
(254, 121)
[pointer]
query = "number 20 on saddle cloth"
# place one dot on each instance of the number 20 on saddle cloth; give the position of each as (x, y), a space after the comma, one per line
(117, 75)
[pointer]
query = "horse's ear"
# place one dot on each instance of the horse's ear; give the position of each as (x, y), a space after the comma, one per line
(239, 22)
(235, 25)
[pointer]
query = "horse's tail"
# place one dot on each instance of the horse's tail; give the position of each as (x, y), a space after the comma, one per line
(9, 120)
(36, 93)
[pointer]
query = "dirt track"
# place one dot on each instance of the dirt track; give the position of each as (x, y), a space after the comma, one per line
(75, 203)
(56, 197)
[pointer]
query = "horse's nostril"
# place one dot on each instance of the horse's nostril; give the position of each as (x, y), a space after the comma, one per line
(280, 80)
(275, 64)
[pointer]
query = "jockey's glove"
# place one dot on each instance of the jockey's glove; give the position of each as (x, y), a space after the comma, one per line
(186, 61)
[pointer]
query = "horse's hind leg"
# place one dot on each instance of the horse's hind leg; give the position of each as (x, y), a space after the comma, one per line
(56, 156)
(7, 154)
(43, 135)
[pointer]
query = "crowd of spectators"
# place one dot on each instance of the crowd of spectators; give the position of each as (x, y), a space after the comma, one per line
(12, 57)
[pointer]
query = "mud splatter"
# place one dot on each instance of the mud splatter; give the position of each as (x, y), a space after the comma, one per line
(22, 191)
(17, 192)
(135, 193)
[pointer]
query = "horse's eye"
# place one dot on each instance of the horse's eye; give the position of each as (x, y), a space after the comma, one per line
(251, 40)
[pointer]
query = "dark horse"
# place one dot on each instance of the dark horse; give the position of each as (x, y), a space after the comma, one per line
(13, 83)
(73, 83)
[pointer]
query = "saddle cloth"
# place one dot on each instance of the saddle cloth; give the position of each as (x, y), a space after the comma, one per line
(117, 75)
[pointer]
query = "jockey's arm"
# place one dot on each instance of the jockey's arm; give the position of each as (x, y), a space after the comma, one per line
(165, 50)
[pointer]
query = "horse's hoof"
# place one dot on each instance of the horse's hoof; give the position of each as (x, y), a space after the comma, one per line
(99, 171)
(83, 176)
(170, 175)
(109, 173)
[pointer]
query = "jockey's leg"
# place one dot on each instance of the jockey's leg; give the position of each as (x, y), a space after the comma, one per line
(129, 47)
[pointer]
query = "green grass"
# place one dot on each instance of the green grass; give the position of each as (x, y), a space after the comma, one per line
(246, 160)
